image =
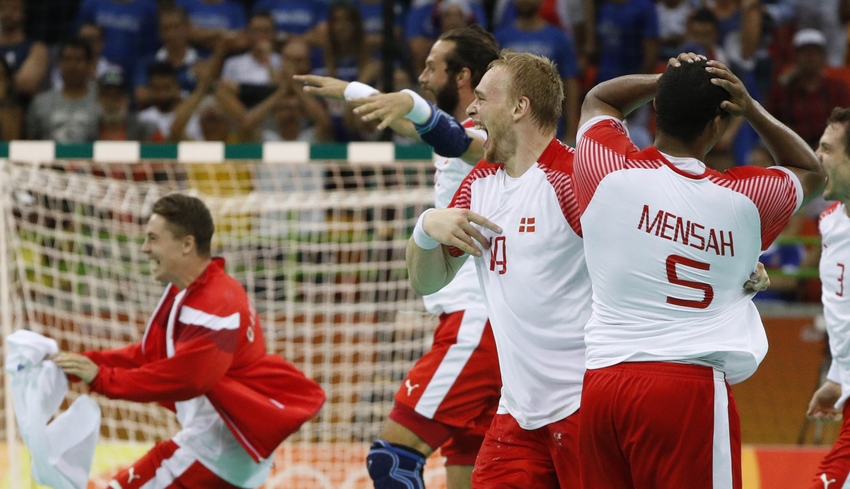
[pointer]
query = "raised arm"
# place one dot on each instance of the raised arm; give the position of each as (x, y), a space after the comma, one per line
(618, 97)
(788, 149)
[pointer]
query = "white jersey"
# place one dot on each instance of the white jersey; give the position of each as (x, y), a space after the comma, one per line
(535, 283)
(834, 263)
(244, 68)
(669, 245)
(463, 292)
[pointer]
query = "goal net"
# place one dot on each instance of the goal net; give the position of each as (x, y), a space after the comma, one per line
(318, 246)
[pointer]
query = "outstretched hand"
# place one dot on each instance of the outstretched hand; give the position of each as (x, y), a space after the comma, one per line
(759, 280)
(454, 227)
(739, 99)
(323, 86)
(386, 108)
(77, 365)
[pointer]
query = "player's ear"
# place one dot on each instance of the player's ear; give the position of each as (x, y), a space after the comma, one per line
(189, 244)
(463, 77)
(522, 108)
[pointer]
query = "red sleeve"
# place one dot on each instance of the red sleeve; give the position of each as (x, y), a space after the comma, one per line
(776, 193)
(196, 366)
(129, 356)
(602, 149)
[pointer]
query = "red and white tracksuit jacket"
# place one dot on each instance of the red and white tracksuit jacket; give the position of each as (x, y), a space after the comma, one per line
(212, 344)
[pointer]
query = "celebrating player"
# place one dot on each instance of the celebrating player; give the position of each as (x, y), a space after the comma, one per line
(830, 400)
(203, 356)
(449, 398)
(531, 267)
(667, 242)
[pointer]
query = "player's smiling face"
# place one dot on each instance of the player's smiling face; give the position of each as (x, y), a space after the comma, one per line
(436, 79)
(491, 112)
(832, 152)
(165, 251)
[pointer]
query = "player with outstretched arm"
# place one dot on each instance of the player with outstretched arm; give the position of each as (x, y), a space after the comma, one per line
(449, 398)
(204, 357)
(667, 242)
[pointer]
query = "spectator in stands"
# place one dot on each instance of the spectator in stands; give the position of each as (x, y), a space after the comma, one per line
(289, 108)
(702, 33)
(295, 57)
(50, 20)
(575, 17)
(672, 20)
(92, 34)
(11, 115)
(348, 58)
(257, 66)
(27, 58)
(211, 19)
(129, 29)
(804, 97)
(422, 27)
(372, 12)
(117, 123)
(627, 35)
(69, 114)
(298, 18)
(532, 34)
(163, 93)
(174, 30)
(830, 17)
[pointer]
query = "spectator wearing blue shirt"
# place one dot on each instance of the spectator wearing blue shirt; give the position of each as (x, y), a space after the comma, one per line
(27, 58)
(372, 12)
(348, 58)
(174, 29)
(423, 25)
(306, 18)
(212, 18)
(627, 38)
(531, 34)
(129, 29)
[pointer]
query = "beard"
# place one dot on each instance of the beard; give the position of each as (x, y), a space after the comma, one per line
(447, 97)
(500, 146)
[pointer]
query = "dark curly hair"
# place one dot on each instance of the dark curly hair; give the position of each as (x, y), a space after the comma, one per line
(687, 101)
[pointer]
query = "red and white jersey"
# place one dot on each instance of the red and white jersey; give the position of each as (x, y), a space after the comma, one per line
(535, 283)
(834, 266)
(669, 244)
(463, 292)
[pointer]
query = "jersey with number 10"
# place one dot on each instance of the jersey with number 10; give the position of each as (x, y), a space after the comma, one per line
(669, 245)
(535, 283)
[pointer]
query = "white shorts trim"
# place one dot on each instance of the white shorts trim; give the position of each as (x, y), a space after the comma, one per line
(468, 337)
(721, 452)
(170, 469)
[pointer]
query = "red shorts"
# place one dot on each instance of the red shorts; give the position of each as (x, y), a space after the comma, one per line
(835, 467)
(514, 458)
(456, 384)
(167, 466)
(659, 425)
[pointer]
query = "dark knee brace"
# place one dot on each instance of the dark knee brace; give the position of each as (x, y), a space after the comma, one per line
(395, 467)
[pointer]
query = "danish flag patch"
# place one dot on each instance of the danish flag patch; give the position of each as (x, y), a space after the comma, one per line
(526, 225)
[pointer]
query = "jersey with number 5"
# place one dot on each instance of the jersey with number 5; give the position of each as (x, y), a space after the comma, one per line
(834, 228)
(669, 244)
(535, 283)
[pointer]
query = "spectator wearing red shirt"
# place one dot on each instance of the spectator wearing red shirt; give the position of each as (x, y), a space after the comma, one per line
(804, 98)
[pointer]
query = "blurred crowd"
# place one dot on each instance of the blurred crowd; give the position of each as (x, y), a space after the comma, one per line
(77, 71)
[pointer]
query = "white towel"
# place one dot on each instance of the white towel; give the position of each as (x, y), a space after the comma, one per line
(62, 451)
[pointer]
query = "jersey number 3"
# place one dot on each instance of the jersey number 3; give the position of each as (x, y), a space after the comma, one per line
(673, 278)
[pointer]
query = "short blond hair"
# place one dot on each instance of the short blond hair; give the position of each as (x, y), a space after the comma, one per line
(536, 78)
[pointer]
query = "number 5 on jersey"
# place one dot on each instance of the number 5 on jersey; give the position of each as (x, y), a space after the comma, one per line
(673, 278)
(498, 255)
